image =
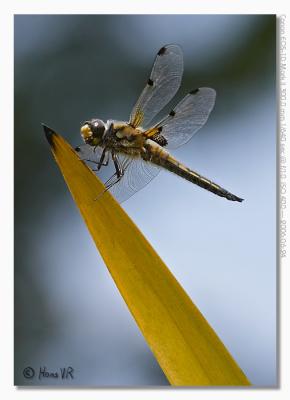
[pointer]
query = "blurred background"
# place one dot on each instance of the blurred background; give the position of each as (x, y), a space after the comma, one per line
(68, 312)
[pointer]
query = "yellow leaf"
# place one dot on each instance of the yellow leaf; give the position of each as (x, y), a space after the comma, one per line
(186, 347)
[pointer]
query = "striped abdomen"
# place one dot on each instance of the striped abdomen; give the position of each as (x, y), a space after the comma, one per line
(161, 157)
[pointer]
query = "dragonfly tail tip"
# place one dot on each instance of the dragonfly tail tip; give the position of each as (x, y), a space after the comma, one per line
(233, 197)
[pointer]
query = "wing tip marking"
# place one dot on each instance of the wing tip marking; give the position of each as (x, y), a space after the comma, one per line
(150, 82)
(194, 91)
(162, 51)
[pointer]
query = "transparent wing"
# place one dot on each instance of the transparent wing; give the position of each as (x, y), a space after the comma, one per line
(162, 85)
(137, 172)
(187, 117)
(89, 153)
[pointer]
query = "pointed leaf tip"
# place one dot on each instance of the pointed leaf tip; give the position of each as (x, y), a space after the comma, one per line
(49, 133)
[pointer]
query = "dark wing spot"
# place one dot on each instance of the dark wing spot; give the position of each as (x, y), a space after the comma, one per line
(162, 51)
(150, 82)
(172, 113)
(158, 138)
(160, 129)
(194, 91)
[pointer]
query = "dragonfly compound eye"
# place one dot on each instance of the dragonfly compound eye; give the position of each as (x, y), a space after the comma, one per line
(98, 128)
(92, 132)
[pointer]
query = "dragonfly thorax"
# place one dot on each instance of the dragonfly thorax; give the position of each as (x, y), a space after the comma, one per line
(93, 131)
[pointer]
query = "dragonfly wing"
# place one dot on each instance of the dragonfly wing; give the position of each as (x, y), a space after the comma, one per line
(187, 117)
(137, 174)
(162, 85)
(89, 153)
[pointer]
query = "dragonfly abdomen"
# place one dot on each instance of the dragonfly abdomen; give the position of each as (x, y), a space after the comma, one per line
(162, 158)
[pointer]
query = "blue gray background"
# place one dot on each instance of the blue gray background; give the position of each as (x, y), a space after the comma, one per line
(67, 308)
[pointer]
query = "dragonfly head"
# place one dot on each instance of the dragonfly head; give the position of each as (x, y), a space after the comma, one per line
(92, 131)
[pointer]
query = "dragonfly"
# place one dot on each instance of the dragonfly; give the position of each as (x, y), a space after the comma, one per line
(137, 150)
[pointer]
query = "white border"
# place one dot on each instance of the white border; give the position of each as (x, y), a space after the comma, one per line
(145, 7)
(6, 199)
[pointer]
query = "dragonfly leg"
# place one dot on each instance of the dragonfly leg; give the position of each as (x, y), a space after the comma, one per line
(101, 162)
(115, 178)
(118, 174)
(118, 166)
